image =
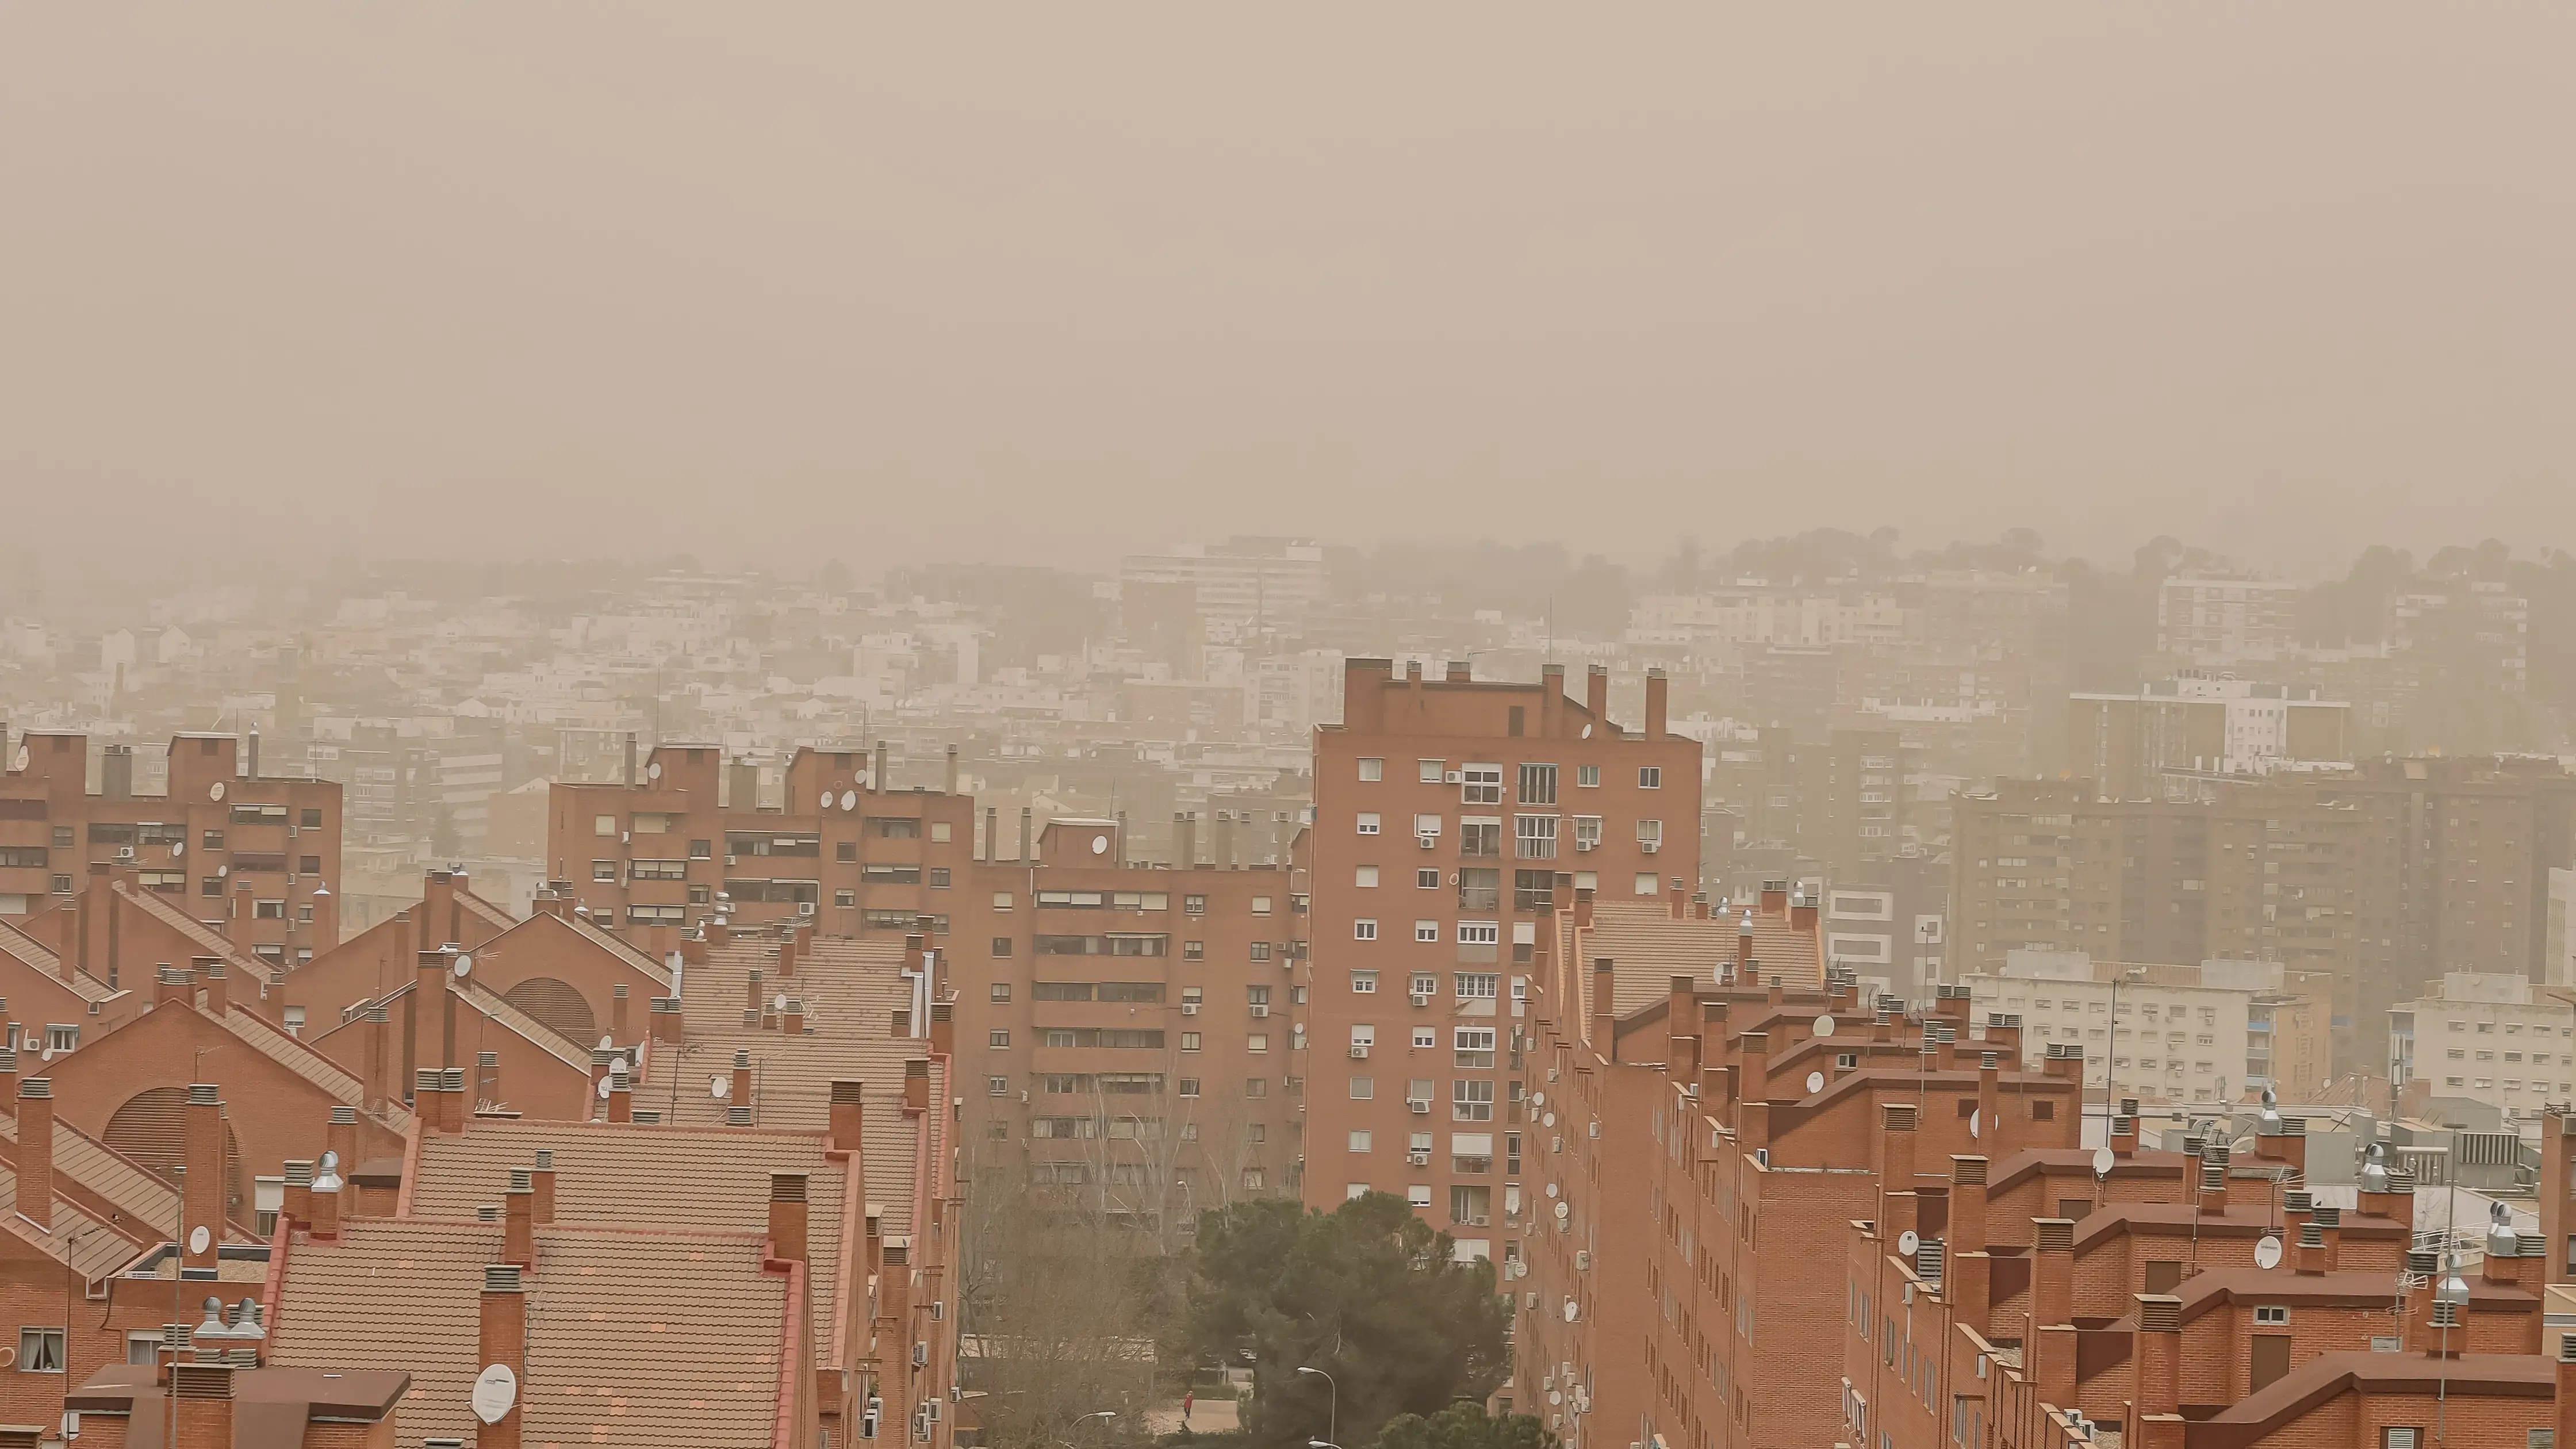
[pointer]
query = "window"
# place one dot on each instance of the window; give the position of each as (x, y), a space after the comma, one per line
(1481, 785)
(308, 865)
(1650, 777)
(1479, 933)
(1365, 877)
(1189, 1088)
(939, 877)
(1189, 1041)
(1426, 880)
(997, 1086)
(40, 1350)
(1649, 883)
(604, 825)
(1001, 991)
(1587, 777)
(59, 1038)
(1193, 905)
(1368, 822)
(1260, 950)
(1363, 930)
(1477, 985)
(2271, 1313)
(702, 849)
(1261, 905)
(1194, 950)
(1532, 890)
(309, 820)
(997, 1039)
(1650, 835)
(1426, 931)
(1535, 836)
(1361, 1139)
(1363, 983)
(2396, 1438)
(1256, 1086)
(845, 851)
(1257, 1043)
(845, 898)
(1372, 768)
(1426, 1038)
(1471, 1101)
(211, 840)
(1587, 832)
(1363, 1089)
(294, 1021)
(1473, 1046)
(603, 870)
(1427, 771)
(1538, 785)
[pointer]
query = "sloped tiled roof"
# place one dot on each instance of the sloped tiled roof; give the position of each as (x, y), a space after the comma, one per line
(662, 1341)
(30, 952)
(1648, 948)
(211, 942)
(103, 1170)
(850, 989)
(309, 1064)
(76, 1240)
(678, 1178)
(396, 1294)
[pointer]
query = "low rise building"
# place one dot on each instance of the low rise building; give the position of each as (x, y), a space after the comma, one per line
(2198, 1035)
(2492, 1039)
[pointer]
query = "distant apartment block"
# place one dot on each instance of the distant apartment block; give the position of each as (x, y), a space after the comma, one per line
(2157, 742)
(2210, 618)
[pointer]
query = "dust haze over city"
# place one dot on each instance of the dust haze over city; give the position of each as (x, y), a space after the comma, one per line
(1087, 727)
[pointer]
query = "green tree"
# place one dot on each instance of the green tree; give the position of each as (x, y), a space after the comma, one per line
(1464, 1425)
(1367, 1293)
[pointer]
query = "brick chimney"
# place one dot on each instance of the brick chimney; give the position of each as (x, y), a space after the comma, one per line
(202, 1395)
(943, 1028)
(1605, 981)
(1969, 1272)
(8, 1072)
(1657, 692)
(663, 1021)
(741, 1094)
(1677, 900)
(792, 1020)
(295, 1203)
(787, 1216)
(617, 1014)
(1990, 1117)
(325, 1197)
(432, 1024)
(621, 1096)
(1744, 947)
(170, 987)
(2052, 1310)
(916, 1084)
(2124, 1136)
(519, 1219)
(848, 1121)
(2158, 1422)
(1896, 1203)
(2565, 1366)
(36, 1150)
(1715, 1098)
(2328, 1221)
(424, 1101)
(541, 1187)
(202, 1145)
(218, 990)
(1681, 1049)
(453, 1103)
(1802, 913)
(1596, 691)
(1582, 908)
(755, 1004)
(503, 1339)
(787, 956)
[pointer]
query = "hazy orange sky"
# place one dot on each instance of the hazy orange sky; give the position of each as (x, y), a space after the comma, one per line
(1049, 282)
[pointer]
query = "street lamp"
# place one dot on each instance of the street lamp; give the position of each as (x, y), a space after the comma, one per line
(1332, 1405)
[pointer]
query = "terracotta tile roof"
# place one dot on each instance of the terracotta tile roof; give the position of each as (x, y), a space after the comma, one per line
(119, 1179)
(485, 911)
(498, 1009)
(212, 943)
(30, 952)
(621, 948)
(851, 990)
(652, 1342)
(77, 1241)
(657, 1340)
(684, 1179)
(393, 1294)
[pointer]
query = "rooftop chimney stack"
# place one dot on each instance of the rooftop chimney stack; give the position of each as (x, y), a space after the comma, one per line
(36, 1150)
(502, 1339)
(202, 1190)
(787, 1216)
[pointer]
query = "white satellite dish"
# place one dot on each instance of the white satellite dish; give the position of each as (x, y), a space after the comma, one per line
(606, 1041)
(1815, 1081)
(1551, 1189)
(849, 799)
(21, 762)
(2267, 1254)
(1972, 1124)
(1538, 1099)
(49, 1054)
(719, 1087)
(827, 800)
(603, 1089)
(198, 1237)
(222, 870)
(215, 791)
(1571, 1310)
(653, 771)
(1565, 1210)
(1587, 732)
(1906, 1242)
(495, 1390)
(464, 966)
(1548, 1121)
(1100, 845)
(178, 848)
(778, 1003)
(1825, 1025)
(2102, 1160)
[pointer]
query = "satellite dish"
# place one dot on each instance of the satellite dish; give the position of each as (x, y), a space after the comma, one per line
(849, 799)
(495, 1390)
(653, 771)
(1587, 732)
(603, 1089)
(198, 1237)
(1551, 1189)
(1815, 1081)
(720, 1087)
(2267, 1254)
(1548, 1121)
(215, 791)
(1564, 1210)
(1570, 1310)
(1906, 1242)
(49, 1054)
(2102, 1160)
(605, 1042)
(1538, 1099)
(21, 762)
(1100, 845)
(178, 848)
(778, 1003)
(222, 870)
(464, 966)
(1825, 1026)
(827, 799)
(1972, 1124)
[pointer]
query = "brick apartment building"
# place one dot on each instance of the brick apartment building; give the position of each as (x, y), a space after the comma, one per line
(256, 858)
(1452, 817)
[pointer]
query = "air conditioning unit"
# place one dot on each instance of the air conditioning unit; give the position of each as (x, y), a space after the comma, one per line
(934, 1408)
(920, 1354)
(1260, 1009)
(1189, 1008)
(1529, 1300)
(868, 1418)
(1581, 846)
(1417, 1159)
(1427, 842)
(125, 852)
(1359, 1051)
(1419, 1107)
(805, 908)
(1480, 1222)
(731, 860)
(1451, 777)
(1582, 1261)
(1422, 998)
(1649, 847)
(938, 1310)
